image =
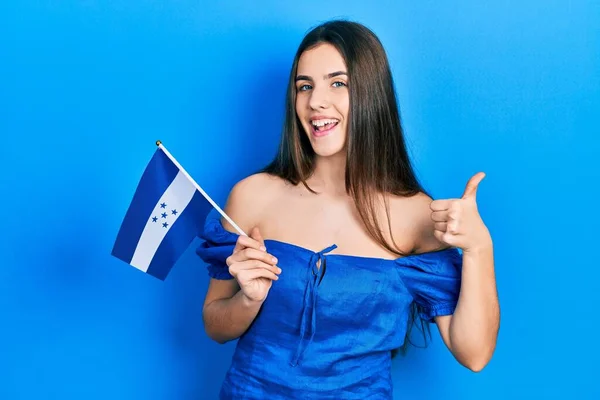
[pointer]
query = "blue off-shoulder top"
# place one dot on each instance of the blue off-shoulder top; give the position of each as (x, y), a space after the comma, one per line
(327, 332)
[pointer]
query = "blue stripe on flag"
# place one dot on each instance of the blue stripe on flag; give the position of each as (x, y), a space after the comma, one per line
(184, 230)
(157, 177)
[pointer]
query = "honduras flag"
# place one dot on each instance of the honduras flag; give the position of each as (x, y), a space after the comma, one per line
(167, 212)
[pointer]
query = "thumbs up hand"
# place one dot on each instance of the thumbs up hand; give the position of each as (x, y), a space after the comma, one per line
(457, 221)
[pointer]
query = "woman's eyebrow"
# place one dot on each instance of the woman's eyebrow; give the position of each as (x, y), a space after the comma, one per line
(336, 73)
(328, 76)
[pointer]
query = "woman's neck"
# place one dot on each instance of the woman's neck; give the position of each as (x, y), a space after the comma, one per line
(329, 175)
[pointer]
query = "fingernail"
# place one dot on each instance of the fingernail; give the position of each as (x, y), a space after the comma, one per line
(263, 248)
(274, 260)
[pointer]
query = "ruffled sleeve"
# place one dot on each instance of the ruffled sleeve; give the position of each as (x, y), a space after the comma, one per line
(433, 279)
(217, 245)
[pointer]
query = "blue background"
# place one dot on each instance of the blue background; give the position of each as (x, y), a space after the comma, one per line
(511, 88)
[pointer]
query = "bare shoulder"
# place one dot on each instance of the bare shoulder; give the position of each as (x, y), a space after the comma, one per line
(249, 198)
(415, 214)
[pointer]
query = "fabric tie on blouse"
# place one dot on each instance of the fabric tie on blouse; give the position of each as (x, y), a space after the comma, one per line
(316, 271)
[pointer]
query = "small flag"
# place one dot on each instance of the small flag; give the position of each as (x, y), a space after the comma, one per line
(167, 212)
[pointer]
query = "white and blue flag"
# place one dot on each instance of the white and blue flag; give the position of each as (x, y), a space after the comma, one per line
(167, 212)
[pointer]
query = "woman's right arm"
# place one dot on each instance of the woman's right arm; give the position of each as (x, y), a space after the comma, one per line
(227, 311)
(231, 305)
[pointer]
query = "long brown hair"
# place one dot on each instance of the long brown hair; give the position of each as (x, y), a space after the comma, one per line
(377, 159)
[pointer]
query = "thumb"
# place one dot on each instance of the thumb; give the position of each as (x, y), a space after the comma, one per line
(255, 234)
(471, 189)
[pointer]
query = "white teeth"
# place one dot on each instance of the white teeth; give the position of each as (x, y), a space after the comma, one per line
(322, 122)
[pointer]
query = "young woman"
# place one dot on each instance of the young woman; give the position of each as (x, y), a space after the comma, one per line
(343, 242)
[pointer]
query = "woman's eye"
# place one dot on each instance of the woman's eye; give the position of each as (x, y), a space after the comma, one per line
(339, 84)
(303, 88)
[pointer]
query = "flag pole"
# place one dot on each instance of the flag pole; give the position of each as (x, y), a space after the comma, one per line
(206, 196)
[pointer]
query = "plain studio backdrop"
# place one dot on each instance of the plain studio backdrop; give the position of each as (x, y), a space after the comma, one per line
(511, 88)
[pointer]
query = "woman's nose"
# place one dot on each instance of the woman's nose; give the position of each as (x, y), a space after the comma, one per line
(319, 99)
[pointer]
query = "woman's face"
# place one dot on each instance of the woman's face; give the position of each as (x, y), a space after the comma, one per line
(322, 99)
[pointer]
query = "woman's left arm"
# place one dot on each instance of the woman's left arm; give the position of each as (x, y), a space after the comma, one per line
(471, 332)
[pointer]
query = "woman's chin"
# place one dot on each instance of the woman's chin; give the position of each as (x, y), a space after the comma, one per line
(327, 144)
(329, 150)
